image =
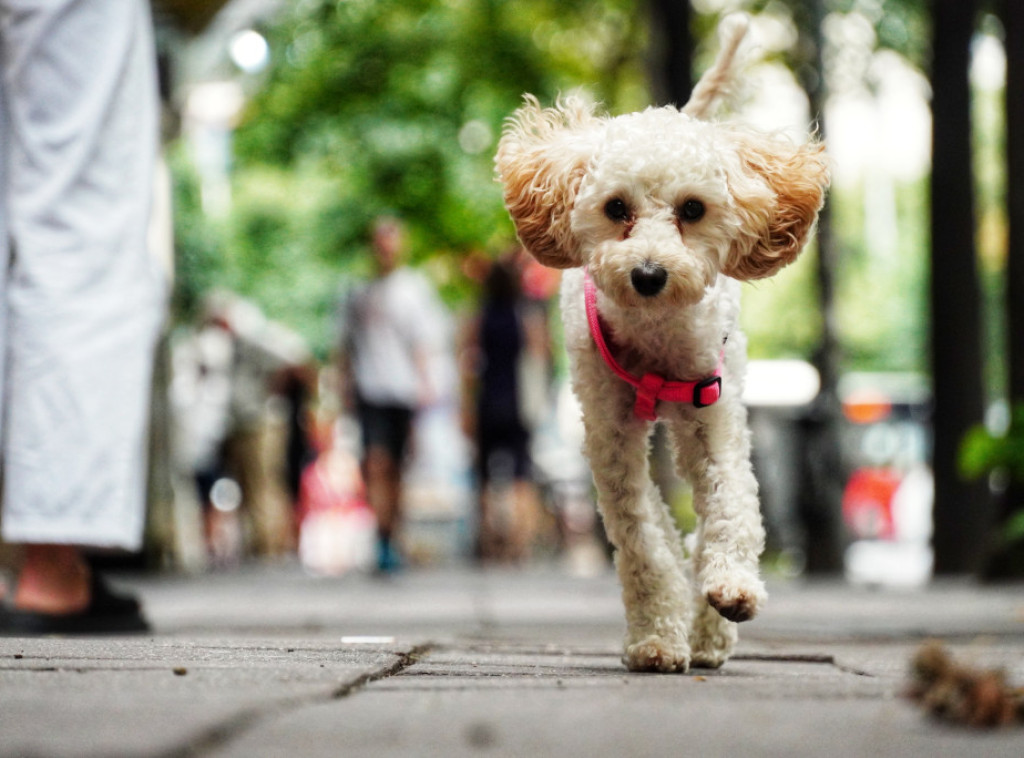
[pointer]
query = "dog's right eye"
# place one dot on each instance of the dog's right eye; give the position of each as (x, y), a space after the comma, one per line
(616, 209)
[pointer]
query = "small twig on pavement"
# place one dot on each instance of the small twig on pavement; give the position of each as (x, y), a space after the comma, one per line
(961, 694)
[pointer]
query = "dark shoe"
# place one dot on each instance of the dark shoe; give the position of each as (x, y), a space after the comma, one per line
(389, 560)
(107, 613)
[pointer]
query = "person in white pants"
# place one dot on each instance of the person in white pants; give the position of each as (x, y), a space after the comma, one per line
(81, 300)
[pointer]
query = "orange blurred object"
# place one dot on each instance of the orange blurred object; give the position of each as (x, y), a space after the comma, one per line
(867, 407)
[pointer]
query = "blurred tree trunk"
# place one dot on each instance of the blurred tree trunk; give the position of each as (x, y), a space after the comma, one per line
(962, 514)
(672, 49)
(821, 478)
(822, 488)
(1013, 20)
(1009, 560)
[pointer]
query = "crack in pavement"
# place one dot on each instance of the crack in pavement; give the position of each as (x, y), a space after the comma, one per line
(405, 660)
(823, 658)
(228, 730)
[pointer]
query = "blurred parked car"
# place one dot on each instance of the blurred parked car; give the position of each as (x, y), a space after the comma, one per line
(887, 499)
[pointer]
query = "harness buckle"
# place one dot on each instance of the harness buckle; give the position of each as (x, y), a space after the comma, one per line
(707, 391)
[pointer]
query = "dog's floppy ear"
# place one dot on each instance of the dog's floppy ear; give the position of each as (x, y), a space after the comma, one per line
(541, 161)
(779, 188)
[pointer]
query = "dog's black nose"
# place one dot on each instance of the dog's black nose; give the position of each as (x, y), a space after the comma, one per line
(649, 278)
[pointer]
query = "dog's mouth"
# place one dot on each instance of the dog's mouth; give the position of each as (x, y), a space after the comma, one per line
(649, 278)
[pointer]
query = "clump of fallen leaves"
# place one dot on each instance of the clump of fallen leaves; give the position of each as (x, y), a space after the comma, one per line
(961, 694)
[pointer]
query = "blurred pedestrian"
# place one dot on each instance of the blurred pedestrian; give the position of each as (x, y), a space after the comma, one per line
(255, 449)
(507, 393)
(238, 424)
(82, 301)
(385, 352)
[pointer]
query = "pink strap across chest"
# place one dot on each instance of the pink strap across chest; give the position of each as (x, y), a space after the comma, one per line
(651, 387)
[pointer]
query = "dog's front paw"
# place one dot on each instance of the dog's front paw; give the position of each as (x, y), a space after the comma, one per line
(655, 653)
(736, 599)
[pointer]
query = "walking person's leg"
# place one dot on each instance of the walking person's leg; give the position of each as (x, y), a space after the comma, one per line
(385, 431)
(83, 298)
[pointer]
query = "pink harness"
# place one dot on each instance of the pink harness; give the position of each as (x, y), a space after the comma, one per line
(650, 387)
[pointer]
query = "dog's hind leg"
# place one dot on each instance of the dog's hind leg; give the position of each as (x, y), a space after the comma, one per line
(713, 638)
(654, 589)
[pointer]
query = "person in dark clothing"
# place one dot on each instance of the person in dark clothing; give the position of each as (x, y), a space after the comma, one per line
(508, 516)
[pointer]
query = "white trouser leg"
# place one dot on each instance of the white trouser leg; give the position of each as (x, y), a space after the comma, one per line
(84, 299)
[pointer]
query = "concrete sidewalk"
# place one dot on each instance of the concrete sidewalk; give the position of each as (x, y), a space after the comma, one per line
(269, 662)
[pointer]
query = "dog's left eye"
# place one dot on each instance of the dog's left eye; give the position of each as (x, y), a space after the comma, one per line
(691, 210)
(616, 209)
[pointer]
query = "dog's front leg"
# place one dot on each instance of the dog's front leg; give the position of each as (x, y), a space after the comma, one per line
(715, 454)
(730, 538)
(655, 591)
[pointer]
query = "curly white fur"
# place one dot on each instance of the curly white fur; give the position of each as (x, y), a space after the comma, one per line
(758, 197)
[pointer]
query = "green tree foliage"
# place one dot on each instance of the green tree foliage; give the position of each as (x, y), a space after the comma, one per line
(395, 106)
(880, 308)
(198, 241)
(984, 453)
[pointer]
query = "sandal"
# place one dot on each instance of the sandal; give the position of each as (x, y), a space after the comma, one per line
(107, 613)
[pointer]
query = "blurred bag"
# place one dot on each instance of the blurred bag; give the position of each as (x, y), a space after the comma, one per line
(337, 528)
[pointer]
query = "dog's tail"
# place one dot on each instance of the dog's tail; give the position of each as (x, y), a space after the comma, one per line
(716, 80)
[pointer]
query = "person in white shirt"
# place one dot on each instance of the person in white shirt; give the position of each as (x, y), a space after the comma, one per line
(385, 355)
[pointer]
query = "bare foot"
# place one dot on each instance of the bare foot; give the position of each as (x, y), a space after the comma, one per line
(54, 579)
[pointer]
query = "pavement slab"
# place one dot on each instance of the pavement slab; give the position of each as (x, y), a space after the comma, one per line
(266, 661)
(96, 697)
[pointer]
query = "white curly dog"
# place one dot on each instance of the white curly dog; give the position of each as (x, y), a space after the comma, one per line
(659, 214)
